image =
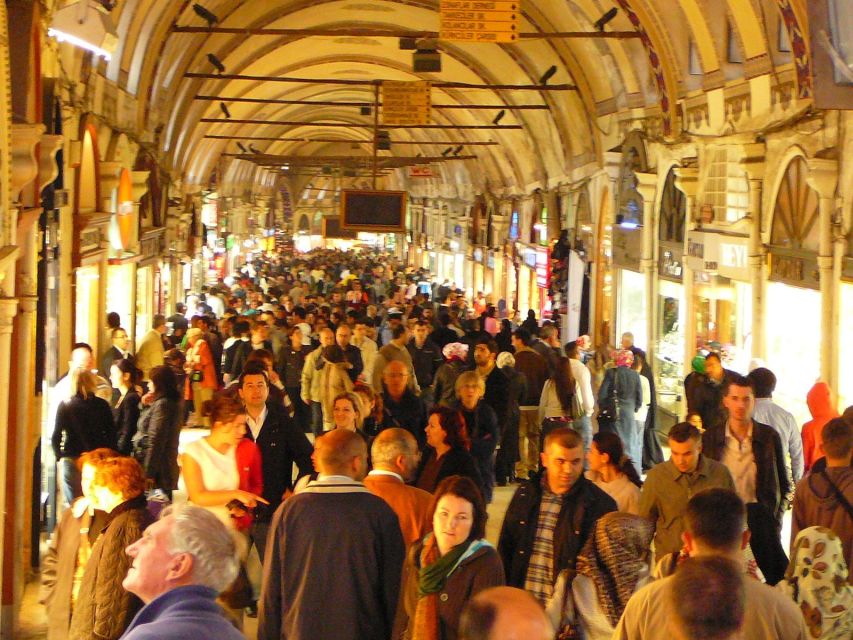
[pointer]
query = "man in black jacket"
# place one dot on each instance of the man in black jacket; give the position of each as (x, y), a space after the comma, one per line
(753, 454)
(402, 407)
(280, 442)
(550, 517)
(426, 358)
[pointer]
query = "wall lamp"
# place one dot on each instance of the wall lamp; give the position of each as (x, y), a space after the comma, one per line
(85, 24)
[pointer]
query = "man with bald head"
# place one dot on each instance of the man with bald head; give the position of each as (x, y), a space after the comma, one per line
(504, 613)
(395, 458)
(334, 542)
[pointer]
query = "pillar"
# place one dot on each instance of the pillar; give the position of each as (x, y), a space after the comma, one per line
(687, 181)
(823, 178)
(754, 165)
(647, 184)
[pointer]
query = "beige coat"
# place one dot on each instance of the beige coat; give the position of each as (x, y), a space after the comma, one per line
(333, 380)
(150, 352)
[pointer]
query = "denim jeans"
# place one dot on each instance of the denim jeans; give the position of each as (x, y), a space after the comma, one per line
(316, 419)
(69, 479)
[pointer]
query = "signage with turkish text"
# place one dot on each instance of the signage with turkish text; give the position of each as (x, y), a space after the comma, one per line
(480, 20)
(794, 269)
(406, 103)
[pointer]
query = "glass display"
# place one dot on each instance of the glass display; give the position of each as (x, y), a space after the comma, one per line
(632, 307)
(724, 320)
(669, 349)
(793, 348)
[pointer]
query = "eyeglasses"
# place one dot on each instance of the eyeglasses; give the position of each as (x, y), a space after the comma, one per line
(396, 375)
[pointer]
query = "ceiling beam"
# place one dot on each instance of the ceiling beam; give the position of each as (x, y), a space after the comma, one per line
(299, 123)
(393, 142)
(332, 103)
(371, 83)
(390, 33)
(303, 161)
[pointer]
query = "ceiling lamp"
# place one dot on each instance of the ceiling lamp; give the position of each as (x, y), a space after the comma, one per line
(85, 24)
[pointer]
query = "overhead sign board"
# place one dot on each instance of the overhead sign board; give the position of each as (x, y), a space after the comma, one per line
(420, 171)
(480, 20)
(406, 103)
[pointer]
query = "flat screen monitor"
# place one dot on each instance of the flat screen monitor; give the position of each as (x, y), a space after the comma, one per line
(374, 211)
(332, 229)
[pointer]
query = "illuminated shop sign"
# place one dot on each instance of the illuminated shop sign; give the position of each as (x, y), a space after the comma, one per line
(725, 255)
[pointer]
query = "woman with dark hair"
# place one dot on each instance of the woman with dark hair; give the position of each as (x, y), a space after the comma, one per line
(558, 404)
(530, 323)
(619, 398)
(614, 472)
(448, 566)
(504, 337)
(482, 424)
(155, 444)
(447, 451)
(124, 376)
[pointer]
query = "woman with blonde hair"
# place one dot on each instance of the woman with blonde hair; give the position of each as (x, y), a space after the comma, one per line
(83, 422)
(482, 424)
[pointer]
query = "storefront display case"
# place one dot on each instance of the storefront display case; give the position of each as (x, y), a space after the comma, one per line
(669, 348)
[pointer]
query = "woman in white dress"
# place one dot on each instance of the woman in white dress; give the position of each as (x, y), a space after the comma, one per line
(209, 465)
(613, 472)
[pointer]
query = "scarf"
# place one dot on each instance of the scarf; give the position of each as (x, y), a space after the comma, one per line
(432, 576)
(816, 579)
(615, 559)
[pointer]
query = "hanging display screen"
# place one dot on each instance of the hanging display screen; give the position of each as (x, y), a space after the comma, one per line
(374, 211)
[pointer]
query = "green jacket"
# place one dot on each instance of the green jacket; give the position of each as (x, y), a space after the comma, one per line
(665, 493)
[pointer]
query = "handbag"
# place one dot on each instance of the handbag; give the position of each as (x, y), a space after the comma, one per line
(197, 375)
(608, 411)
(577, 406)
(561, 608)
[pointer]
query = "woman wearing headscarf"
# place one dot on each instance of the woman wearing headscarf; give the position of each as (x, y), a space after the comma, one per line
(448, 566)
(619, 398)
(455, 356)
(613, 564)
(816, 579)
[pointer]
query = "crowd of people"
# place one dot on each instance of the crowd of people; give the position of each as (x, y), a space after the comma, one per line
(355, 419)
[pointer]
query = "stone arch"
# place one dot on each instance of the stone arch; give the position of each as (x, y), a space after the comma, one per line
(772, 192)
(87, 188)
(795, 217)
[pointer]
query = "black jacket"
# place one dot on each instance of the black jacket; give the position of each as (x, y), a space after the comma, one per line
(410, 414)
(126, 416)
(425, 361)
(289, 365)
(456, 462)
(155, 444)
(706, 398)
(353, 355)
(281, 444)
(771, 482)
(582, 506)
(82, 424)
(497, 396)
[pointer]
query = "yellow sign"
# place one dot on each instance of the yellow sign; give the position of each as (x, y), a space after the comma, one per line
(480, 20)
(406, 103)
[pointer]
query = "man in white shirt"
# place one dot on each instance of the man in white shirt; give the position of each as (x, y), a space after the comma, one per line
(768, 412)
(583, 386)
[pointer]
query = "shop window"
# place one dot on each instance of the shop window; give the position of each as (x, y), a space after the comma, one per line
(724, 319)
(795, 215)
(694, 64)
(669, 350)
(583, 223)
(733, 52)
(726, 186)
(630, 201)
(513, 226)
(673, 210)
(841, 25)
(845, 356)
(783, 40)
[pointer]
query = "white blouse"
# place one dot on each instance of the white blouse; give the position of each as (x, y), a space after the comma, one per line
(218, 472)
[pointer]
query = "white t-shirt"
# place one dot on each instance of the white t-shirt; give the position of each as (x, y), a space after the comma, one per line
(218, 472)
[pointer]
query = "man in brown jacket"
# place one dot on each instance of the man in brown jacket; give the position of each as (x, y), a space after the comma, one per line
(395, 459)
(535, 371)
(821, 495)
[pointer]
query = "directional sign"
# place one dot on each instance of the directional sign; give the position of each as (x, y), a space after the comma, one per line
(406, 103)
(420, 171)
(480, 20)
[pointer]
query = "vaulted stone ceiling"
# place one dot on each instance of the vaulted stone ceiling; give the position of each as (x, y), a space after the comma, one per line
(612, 76)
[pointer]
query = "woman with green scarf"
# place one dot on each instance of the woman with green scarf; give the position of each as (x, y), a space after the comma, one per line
(448, 566)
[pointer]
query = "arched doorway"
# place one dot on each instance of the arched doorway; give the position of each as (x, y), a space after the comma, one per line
(794, 347)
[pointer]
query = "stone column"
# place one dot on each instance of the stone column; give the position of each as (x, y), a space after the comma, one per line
(687, 181)
(754, 166)
(823, 178)
(647, 186)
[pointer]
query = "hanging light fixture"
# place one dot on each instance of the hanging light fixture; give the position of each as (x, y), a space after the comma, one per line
(85, 24)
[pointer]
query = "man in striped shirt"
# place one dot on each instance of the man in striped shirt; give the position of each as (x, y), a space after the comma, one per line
(550, 517)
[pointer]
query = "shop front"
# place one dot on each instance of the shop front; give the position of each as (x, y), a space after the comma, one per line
(479, 278)
(631, 303)
(532, 272)
(721, 308)
(793, 348)
(90, 281)
(845, 351)
(671, 325)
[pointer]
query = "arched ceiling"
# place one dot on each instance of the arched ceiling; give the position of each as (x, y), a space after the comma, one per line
(610, 75)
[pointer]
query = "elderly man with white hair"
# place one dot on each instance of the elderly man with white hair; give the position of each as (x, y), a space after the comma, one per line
(180, 565)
